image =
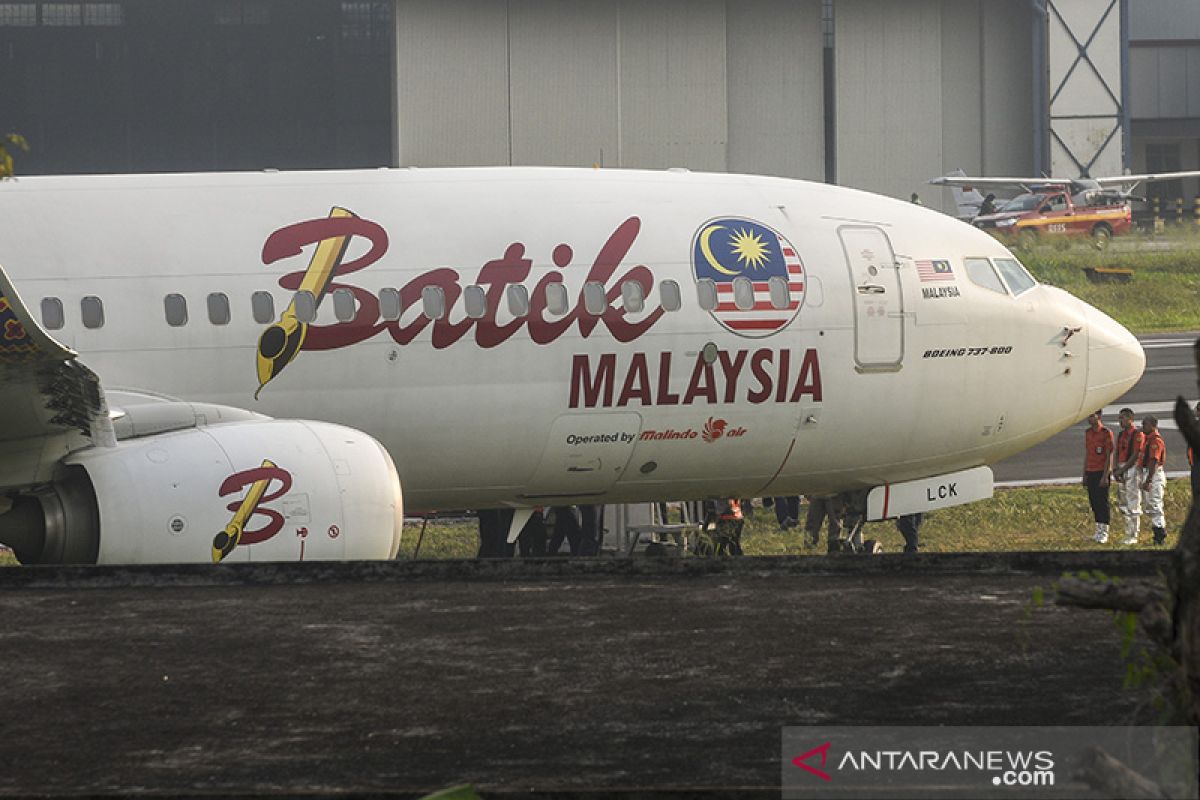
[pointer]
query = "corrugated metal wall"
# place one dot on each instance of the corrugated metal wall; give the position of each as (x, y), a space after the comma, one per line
(1165, 81)
(452, 101)
(922, 86)
(889, 94)
(688, 83)
(1007, 64)
(775, 89)
(928, 86)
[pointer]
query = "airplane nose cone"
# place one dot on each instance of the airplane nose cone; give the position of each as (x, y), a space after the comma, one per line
(1115, 360)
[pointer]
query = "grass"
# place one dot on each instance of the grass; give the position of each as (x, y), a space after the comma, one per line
(1163, 296)
(1043, 518)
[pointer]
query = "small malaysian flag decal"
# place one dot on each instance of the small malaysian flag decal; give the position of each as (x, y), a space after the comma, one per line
(934, 271)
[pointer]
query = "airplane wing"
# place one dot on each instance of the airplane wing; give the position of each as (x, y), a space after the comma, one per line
(997, 183)
(1130, 181)
(52, 404)
(1150, 177)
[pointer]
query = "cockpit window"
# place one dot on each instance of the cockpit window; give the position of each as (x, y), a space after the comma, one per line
(980, 271)
(1015, 275)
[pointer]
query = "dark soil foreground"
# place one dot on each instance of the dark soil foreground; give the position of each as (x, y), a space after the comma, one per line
(558, 676)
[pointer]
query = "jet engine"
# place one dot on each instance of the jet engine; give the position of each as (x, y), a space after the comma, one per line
(269, 490)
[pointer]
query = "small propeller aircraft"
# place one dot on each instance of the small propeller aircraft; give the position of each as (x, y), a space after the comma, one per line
(1080, 207)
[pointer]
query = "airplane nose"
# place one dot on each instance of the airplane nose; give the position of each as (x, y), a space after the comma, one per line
(1115, 360)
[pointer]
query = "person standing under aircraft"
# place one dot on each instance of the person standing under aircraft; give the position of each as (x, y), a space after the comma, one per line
(909, 526)
(1097, 467)
(728, 533)
(591, 519)
(824, 507)
(1154, 479)
(493, 533)
(853, 508)
(988, 206)
(787, 511)
(565, 525)
(1130, 443)
(531, 543)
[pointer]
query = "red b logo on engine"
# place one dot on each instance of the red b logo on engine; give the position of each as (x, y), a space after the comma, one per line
(260, 480)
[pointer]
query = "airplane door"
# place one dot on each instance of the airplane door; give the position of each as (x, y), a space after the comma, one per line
(585, 454)
(878, 304)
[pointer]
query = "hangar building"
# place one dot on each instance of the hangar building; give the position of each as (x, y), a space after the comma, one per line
(876, 94)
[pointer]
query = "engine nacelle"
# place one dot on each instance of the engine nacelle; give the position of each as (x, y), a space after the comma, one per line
(272, 490)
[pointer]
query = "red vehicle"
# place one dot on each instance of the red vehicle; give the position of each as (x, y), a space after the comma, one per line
(1051, 212)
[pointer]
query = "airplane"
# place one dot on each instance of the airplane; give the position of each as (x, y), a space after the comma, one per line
(1086, 207)
(1127, 182)
(276, 366)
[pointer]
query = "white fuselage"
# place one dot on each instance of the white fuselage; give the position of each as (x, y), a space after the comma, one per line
(889, 371)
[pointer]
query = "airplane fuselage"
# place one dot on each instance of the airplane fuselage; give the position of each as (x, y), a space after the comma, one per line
(883, 360)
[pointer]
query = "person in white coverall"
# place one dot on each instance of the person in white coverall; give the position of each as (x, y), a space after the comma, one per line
(1154, 478)
(1130, 443)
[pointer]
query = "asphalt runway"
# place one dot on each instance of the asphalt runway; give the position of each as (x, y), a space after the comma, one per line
(568, 677)
(1170, 372)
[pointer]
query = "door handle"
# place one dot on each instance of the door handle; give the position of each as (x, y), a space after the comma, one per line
(871, 288)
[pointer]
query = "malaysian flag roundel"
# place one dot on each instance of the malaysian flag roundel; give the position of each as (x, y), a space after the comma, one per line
(757, 273)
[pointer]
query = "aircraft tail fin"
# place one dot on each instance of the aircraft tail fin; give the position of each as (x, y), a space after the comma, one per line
(967, 199)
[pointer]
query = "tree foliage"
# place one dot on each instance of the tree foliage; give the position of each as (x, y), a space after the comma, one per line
(10, 143)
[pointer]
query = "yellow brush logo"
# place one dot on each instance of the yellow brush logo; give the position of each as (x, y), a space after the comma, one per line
(280, 343)
(259, 480)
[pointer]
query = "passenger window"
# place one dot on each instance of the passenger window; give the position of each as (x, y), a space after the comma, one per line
(92, 311)
(175, 307)
(305, 306)
(743, 293)
(781, 295)
(262, 306)
(1015, 275)
(595, 300)
(980, 271)
(389, 304)
(53, 317)
(344, 305)
(556, 298)
(632, 297)
(672, 298)
(475, 299)
(518, 300)
(433, 302)
(706, 293)
(218, 309)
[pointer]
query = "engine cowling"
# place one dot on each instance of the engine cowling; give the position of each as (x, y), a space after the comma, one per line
(271, 490)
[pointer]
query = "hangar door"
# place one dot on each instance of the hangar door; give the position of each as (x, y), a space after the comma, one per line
(878, 304)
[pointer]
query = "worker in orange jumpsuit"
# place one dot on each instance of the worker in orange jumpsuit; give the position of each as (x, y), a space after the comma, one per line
(1097, 467)
(1130, 444)
(1154, 479)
